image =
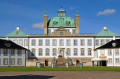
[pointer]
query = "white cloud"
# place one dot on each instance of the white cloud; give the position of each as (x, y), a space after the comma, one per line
(38, 26)
(105, 12)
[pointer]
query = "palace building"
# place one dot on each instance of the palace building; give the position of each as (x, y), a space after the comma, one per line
(62, 42)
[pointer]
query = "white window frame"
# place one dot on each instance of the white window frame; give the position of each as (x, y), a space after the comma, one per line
(40, 42)
(75, 42)
(47, 42)
(33, 42)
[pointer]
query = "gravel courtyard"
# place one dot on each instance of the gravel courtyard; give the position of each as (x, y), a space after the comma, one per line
(60, 75)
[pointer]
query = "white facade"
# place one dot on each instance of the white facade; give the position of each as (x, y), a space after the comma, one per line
(111, 56)
(8, 59)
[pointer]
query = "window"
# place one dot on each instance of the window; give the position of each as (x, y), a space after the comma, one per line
(54, 42)
(33, 42)
(19, 61)
(68, 42)
(55, 22)
(19, 53)
(107, 40)
(96, 42)
(102, 42)
(67, 23)
(75, 42)
(73, 31)
(102, 53)
(40, 52)
(55, 30)
(47, 42)
(109, 52)
(40, 42)
(49, 31)
(89, 42)
(68, 52)
(61, 42)
(20, 42)
(82, 42)
(110, 61)
(12, 52)
(67, 30)
(82, 51)
(54, 52)
(89, 51)
(12, 61)
(26, 42)
(117, 60)
(5, 61)
(117, 52)
(47, 52)
(33, 52)
(5, 52)
(75, 51)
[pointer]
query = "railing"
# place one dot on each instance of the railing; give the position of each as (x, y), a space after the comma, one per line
(87, 34)
(35, 35)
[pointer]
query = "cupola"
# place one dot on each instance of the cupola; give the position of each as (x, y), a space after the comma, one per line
(61, 12)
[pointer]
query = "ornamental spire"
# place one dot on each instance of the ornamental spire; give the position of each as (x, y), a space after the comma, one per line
(45, 13)
(77, 14)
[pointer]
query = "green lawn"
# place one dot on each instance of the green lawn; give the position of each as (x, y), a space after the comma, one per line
(6, 69)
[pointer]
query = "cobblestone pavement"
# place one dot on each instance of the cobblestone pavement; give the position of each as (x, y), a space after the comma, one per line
(60, 75)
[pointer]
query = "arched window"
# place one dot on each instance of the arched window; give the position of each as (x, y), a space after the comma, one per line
(47, 52)
(54, 52)
(82, 52)
(40, 52)
(68, 52)
(89, 51)
(75, 51)
(33, 52)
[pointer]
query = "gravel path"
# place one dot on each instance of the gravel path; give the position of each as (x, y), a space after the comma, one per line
(60, 75)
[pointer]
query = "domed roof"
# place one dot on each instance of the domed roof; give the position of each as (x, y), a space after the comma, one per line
(61, 22)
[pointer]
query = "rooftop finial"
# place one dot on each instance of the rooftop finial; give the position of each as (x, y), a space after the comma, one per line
(61, 6)
(45, 13)
(77, 14)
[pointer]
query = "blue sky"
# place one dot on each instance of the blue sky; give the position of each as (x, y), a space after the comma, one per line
(29, 14)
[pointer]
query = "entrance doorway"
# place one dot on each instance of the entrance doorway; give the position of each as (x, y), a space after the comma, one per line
(46, 62)
(103, 63)
(77, 61)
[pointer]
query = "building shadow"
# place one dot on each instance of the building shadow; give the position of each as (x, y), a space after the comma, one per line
(27, 77)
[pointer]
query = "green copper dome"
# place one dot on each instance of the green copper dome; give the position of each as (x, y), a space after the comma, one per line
(61, 22)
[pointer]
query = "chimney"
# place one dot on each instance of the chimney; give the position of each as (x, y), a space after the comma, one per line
(105, 28)
(114, 38)
(18, 28)
(45, 23)
(77, 22)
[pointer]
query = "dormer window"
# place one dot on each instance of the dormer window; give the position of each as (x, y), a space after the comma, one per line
(67, 23)
(55, 22)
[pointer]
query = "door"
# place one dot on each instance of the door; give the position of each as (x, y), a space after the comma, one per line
(46, 62)
(103, 63)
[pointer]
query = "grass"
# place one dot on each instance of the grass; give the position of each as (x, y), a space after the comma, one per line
(16, 69)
